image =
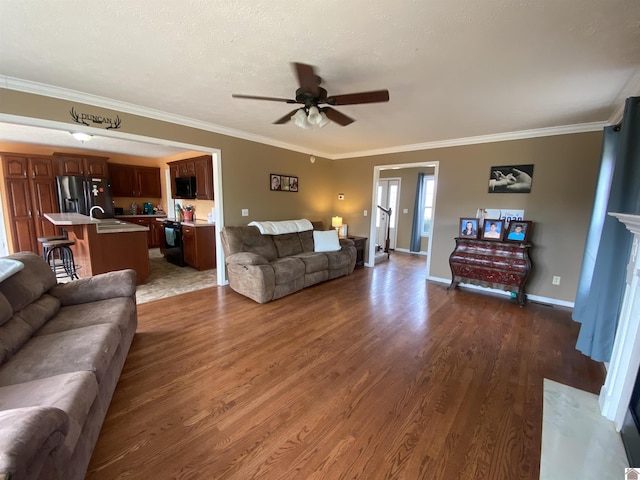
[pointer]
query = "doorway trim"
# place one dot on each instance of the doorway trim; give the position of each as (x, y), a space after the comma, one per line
(372, 222)
(216, 156)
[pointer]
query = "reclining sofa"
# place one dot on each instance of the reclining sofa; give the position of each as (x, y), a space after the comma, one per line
(62, 348)
(268, 260)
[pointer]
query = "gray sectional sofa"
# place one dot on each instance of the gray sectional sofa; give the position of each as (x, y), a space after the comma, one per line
(266, 267)
(62, 349)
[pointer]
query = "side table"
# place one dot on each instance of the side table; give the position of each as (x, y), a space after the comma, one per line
(361, 246)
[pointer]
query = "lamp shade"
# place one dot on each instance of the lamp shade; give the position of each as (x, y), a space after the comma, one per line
(336, 222)
(314, 117)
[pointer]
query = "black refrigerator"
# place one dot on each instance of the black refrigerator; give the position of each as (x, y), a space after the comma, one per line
(79, 194)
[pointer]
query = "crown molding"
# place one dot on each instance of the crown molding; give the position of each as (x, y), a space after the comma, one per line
(497, 137)
(37, 88)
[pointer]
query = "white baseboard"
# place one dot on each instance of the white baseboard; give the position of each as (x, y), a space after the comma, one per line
(533, 298)
(404, 250)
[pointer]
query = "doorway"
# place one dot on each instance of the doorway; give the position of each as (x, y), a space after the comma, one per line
(374, 225)
(387, 195)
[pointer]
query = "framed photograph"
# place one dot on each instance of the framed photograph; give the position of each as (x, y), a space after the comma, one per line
(274, 182)
(283, 183)
(468, 228)
(492, 229)
(518, 231)
(511, 179)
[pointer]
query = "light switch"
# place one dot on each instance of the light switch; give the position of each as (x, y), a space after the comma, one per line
(245, 212)
(366, 212)
(405, 210)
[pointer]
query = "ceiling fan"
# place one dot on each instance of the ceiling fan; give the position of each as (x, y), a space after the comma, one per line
(312, 95)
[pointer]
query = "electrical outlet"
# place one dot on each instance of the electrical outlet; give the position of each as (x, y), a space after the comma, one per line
(245, 212)
(555, 280)
(405, 210)
(366, 212)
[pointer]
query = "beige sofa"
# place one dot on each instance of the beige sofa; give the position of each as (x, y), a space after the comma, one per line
(62, 348)
(266, 267)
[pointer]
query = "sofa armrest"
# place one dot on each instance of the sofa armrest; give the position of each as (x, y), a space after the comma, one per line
(346, 242)
(28, 436)
(121, 283)
(246, 258)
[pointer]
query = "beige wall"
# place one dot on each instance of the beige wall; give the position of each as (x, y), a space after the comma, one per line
(560, 201)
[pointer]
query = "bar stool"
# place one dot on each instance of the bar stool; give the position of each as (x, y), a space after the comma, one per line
(48, 239)
(59, 255)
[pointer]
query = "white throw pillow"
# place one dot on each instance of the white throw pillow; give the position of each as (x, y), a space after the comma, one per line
(326, 241)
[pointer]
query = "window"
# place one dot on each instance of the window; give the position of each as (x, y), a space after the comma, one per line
(428, 188)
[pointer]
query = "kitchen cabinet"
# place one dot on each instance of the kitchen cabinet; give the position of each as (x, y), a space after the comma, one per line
(204, 178)
(135, 181)
(199, 167)
(154, 235)
(31, 192)
(80, 165)
(199, 246)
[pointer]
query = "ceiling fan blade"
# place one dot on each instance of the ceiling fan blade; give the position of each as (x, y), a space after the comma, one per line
(273, 99)
(286, 118)
(362, 97)
(307, 78)
(336, 116)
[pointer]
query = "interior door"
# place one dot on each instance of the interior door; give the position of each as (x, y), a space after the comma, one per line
(387, 196)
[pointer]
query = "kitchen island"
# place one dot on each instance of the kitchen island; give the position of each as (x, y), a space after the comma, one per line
(105, 245)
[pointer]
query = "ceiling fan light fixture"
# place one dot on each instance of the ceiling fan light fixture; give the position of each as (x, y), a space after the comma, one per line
(323, 120)
(314, 117)
(300, 119)
(81, 136)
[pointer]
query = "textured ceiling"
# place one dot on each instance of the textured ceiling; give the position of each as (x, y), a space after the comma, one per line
(453, 69)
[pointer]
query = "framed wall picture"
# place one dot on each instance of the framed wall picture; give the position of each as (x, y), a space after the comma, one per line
(283, 183)
(468, 227)
(511, 179)
(492, 229)
(274, 182)
(518, 231)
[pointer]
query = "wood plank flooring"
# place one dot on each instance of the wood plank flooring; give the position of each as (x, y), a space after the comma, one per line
(377, 375)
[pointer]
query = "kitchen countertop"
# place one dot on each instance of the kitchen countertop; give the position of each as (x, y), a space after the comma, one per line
(143, 215)
(107, 225)
(62, 219)
(196, 223)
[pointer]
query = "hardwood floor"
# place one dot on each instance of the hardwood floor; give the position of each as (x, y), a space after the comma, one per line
(377, 375)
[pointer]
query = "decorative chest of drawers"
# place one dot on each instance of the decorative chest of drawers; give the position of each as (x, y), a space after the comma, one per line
(502, 265)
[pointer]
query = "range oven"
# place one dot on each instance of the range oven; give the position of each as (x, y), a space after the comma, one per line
(173, 250)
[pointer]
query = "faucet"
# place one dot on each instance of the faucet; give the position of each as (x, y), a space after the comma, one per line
(91, 211)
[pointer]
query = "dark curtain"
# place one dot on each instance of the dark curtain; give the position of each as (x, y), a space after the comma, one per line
(418, 215)
(602, 277)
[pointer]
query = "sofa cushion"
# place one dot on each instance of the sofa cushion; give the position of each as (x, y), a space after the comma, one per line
(287, 244)
(28, 435)
(338, 260)
(119, 311)
(6, 312)
(306, 240)
(326, 241)
(247, 239)
(87, 348)
(23, 324)
(73, 393)
(314, 262)
(29, 283)
(287, 269)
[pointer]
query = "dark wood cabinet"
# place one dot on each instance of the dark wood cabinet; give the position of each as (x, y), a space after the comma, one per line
(155, 234)
(31, 192)
(199, 246)
(135, 181)
(80, 165)
(501, 265)
(199, 167)
(361, 246)
(204, 178)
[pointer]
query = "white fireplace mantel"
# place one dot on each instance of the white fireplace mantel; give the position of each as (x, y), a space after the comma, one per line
(625, 357)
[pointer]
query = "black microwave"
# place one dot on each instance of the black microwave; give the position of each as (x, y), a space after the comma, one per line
(185, 187)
